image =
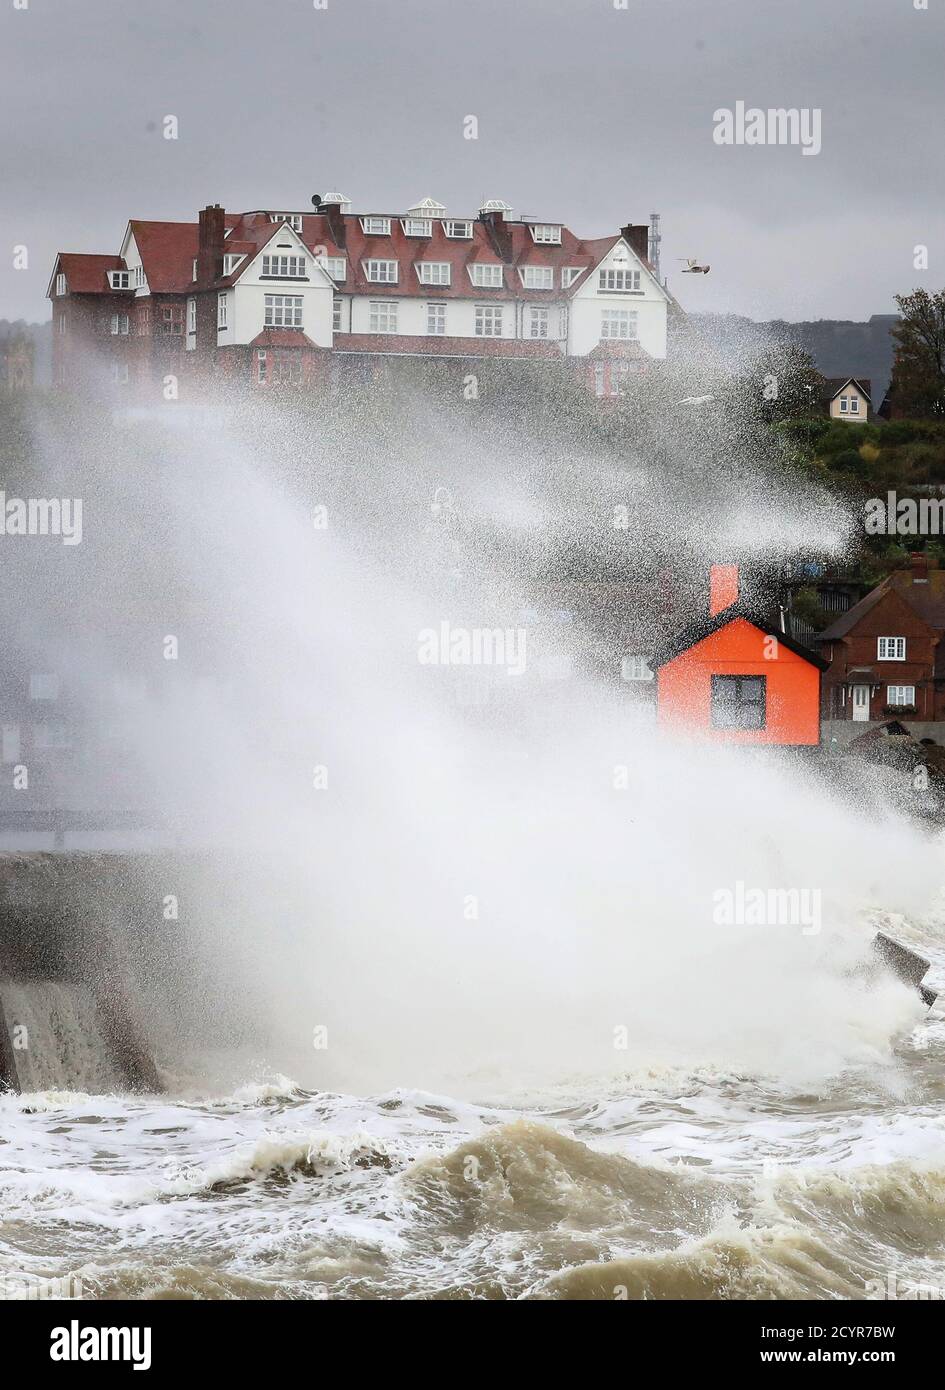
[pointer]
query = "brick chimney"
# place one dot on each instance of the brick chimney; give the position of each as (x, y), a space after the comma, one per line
(337, 228)
(499, 233)
(920, 567)
(210, 243)
(723, 588)
(638, 238)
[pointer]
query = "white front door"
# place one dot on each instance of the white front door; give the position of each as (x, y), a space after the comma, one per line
(861, 702)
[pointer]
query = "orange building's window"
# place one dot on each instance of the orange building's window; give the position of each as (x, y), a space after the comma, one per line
(739, 702)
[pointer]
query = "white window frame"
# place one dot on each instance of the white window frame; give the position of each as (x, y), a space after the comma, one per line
(434, 272)
(60, 283)
(635, 668)
(854, 405)
(294, 219)
(546, 233)
(539, 321)
(283, 311)
(231, 262)
(436, 320)
(62, 325)
(139, 277)
(336, 313)
(120, 325)
(120, 279)
(375, 226)
(383, 315)
(120, 373)
(417, 226)
(282, 267)
(373, 267)
(223, 310)
(450, 226)
(844, 404)
(569, 273)
(906, 691)
(619, 319)
(194, 276)
(335, 266)
(488, 319)
(262, 365)
(537, 277)
(890, 649)
(618, 280)
(191, 316)
(496, 277)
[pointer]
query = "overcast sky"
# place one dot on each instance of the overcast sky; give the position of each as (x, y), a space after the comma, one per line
(587, 114)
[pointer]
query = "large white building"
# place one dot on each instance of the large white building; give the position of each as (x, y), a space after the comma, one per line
(274, 294)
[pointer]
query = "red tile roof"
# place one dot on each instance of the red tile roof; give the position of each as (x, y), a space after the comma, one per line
(86, 274)
(284, 338)
(167, 251)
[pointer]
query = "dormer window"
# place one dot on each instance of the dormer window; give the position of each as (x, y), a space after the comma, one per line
(619, 281)
(282, 267)
(336, 266)
(294, 219)
(417, 226)
(375, 226)
(139, 277)
(381, 272)
(546, 233)
(434, 272)
(231, 262)
(458, 230)
(60, 284)
(120, 279)
(537, 277)
(487, 276)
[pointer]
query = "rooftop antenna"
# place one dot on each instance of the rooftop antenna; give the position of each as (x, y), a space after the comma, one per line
(654, 244)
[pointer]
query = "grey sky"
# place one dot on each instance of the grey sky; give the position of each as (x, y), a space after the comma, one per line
(587, 114)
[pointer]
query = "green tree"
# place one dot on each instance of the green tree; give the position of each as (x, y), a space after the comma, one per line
(918, 379)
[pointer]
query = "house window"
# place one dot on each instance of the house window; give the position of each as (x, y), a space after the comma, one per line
(459, 230)
(599, 379)
(488, 320)
(294, 219)
(434, 272)
(569, 273)
(417, 226)
(375, 226)
(487, 276)
(634, 668)
(546, 232)
(139, 277)
(739, 702)
(172, 320)
(336, 266)
(288, 368)
(143, 320)
(384, 316)
(844, 404)
(619, 373)
(231, 262)
(436, 319)
(538, 277)
(618, 323)
(60, 284)
(191, 315)
(194, 276)
(890, 649)
(119, 323)
(381, 272)
(120, 279)
(336, 315)
(283, 311)
(854, 405)
(44, 686)
(900, 695)
(61, 321)
(538, 322)
(262, 366)
(284, 267)
(120, 373)
(618, 281)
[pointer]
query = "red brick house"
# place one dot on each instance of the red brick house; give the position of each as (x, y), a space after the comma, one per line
(735, 677)
(885, 653)
(282, 297)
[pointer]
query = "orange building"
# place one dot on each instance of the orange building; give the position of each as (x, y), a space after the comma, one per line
(735, 677)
